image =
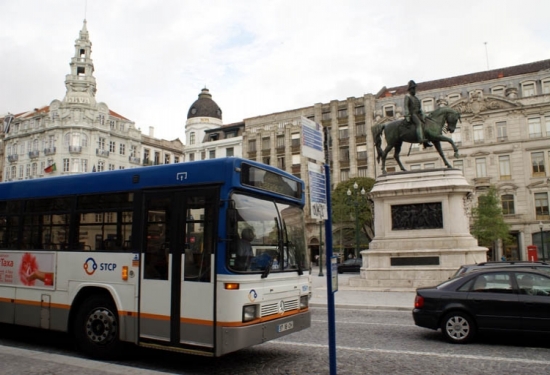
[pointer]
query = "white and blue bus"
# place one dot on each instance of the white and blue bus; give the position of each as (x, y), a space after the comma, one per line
(154, 256)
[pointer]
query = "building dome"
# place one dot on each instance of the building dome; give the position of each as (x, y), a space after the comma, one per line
(204, 106)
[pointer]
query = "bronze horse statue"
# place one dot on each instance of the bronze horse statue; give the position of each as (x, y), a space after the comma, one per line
(399, 131)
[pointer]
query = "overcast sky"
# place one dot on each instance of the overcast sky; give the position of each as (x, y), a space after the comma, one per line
(152, 58)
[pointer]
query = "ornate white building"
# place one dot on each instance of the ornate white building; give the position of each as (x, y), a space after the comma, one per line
(78, 134)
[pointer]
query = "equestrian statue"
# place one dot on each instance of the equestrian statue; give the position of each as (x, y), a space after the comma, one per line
(416, 128)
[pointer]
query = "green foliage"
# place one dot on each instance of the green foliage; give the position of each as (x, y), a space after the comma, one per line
(343, 208)
(489, 225)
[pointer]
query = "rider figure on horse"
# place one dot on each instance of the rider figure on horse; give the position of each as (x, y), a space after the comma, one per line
(413, 111)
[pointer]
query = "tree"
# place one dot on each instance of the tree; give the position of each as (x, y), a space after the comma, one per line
(343, 210)
(489, 225)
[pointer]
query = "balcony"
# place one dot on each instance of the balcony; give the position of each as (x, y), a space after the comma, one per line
(147, 162)
(12, 158)
(134, 160)
(34, 154)
(99, 152)
(49, 151)
(76, 149)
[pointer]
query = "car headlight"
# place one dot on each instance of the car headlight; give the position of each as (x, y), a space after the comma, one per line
(304, 302)
(249, 312)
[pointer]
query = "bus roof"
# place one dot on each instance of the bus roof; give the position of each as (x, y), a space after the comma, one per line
(210, 171)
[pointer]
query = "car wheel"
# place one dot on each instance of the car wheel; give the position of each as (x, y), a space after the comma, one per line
(458, 327)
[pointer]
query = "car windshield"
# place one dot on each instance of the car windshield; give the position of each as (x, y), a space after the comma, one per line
(266, 236)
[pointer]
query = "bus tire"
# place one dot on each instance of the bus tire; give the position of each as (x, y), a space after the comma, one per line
(96, 328)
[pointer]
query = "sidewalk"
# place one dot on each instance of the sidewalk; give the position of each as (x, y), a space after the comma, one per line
(357, 297)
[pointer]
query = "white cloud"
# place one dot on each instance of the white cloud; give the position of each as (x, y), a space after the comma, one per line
(152, 58)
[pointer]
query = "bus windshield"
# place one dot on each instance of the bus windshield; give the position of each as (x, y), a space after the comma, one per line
(268, 236)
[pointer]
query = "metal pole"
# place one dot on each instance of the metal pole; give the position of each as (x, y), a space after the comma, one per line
(542, 242)
(356, 229)
(321, 248)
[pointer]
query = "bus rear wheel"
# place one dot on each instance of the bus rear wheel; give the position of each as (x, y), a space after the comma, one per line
(96, 328)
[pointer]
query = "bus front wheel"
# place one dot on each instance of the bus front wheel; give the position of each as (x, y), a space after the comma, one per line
(96, 328)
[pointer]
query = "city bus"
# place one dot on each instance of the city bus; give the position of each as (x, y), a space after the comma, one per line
(152, 256)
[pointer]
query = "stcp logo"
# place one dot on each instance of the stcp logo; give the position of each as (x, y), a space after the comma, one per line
(90, 266)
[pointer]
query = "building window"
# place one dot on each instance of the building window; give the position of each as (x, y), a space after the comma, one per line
(112, 124)
(281, 162)
(361, 128)
(499, 90)
(157, 158)
(214, 137)
(504, 167)
(280, 141)
(229, 151)
(112, 146)
(146, 156)
(325, 116)
(66, 165)
(266, 144)
(101, 143)
(203, 155)
(343, 132)
(176, 159)
(501, 131)
(537, 159)
(416, 167)
(295, 139)
(343, 113)
(133, 151)
(547, 122)
(478, 134)
(459, 164)
(546, 86)
(541, 206)
(296, 159)
(100, 166)
(231, 134)
(453, 98)
(534, 127)
(101, 119)
(212, 154)
(344, 154)
(192, 138)
(528, 89)
(508, 204)
(111, 167)
(362, 152)
(428, 105)
(191, 157)
(166, 158)
(362, 172)
(359, 110)
(252, 145)
(389, 110)
(266, 160)
(344, 175)
(481, 168)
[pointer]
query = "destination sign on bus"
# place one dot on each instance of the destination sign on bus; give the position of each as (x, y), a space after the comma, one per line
(266, 180)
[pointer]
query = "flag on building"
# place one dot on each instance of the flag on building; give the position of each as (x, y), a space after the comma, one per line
(50, 169)
(7, 122)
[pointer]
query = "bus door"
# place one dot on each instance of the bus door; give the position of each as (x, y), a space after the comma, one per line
(177, 278)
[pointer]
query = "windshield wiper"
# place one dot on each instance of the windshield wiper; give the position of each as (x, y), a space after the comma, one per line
(267, 269)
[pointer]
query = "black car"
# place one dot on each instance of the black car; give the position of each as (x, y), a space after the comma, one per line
(350, 265)
(543, 266)
(493, 299)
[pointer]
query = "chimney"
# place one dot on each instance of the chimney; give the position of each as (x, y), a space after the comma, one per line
(152, 131)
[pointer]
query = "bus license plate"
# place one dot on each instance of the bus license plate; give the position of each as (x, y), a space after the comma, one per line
(285, 326)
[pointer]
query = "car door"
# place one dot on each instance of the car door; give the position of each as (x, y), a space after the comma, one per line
(494, 302)
(535, 301)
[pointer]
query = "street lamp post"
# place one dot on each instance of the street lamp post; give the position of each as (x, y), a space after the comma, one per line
(542, 241)
(321, 248)
(355, 201)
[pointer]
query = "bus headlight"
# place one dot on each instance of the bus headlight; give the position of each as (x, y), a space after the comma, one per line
(249, 313)
(304, 301)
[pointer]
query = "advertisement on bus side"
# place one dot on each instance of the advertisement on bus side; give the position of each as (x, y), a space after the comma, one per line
(27, 269)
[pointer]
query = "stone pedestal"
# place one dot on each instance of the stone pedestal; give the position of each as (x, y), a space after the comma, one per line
(422, 230)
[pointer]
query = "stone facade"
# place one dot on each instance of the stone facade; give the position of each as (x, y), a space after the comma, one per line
(503, 139)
